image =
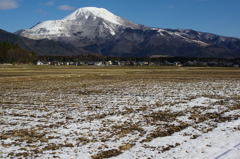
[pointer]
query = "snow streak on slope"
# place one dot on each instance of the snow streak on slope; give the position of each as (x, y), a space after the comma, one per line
(53, 27)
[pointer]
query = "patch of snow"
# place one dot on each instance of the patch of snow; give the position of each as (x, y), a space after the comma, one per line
(45, 24)
(96, 12)
(61, 111)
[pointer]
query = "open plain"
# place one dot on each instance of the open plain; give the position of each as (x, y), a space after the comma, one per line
(119, 112)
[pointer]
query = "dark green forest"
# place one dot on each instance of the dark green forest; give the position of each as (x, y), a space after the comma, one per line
(12, 53)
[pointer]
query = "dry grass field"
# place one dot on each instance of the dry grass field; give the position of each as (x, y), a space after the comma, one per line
(103, 112)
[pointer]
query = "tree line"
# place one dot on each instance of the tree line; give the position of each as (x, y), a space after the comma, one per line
(12, 53)
(96, 57)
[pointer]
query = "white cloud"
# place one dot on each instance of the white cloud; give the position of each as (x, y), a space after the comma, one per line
(41, 11)
(8, 4)
(66, 7)
(50, 3)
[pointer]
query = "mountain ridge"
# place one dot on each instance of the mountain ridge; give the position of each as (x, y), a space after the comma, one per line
(98, 30)
(42, 47)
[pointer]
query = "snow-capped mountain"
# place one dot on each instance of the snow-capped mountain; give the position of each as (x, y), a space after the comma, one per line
(85, 23)
(100, 31)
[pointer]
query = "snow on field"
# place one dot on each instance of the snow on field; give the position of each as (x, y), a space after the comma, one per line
(116, 117)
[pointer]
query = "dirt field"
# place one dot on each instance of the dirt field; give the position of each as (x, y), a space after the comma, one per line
(103, 112)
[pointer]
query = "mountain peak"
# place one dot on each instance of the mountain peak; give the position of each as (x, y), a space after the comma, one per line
(87, 22)
(95, 12)
(100, 31)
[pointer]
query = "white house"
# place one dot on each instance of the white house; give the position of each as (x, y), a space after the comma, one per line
(108, 63)
(39, 63)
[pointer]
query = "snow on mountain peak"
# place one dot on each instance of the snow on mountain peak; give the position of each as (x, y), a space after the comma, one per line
(96, 12)
(84, 22)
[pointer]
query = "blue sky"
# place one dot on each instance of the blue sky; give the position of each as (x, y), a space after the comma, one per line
(220, 17)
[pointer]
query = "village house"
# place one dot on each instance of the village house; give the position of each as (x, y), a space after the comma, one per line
(116, 63)
(177, 64)
(98, 63)
(42, 63)
(108, 63)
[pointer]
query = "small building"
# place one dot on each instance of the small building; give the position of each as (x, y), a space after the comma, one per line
(133, 63)
(80, 63)
(39, 63)
(91, 63)
(66, 63)
(108, 63)
(116, 63)
(98, 63)
(145, 63)
(55, 63)
(42, 63)
(71, 63)
(166, 63)
(7, 64)
(122, 63)
(177, 64)
(150, 63)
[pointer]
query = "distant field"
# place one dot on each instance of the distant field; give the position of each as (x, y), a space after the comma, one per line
(123, 112)
(51, 71)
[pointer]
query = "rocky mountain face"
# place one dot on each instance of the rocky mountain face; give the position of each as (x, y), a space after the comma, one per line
(88, 25)
(99, 31)
(135, 42)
